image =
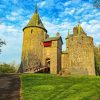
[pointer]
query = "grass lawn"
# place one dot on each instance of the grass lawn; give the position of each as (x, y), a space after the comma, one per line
(52, 87)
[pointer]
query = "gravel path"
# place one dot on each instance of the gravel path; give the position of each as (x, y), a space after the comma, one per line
(9, 87)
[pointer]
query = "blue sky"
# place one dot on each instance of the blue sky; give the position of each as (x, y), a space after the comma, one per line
(56, 15)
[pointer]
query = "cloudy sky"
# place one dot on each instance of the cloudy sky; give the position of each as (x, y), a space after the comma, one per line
(56, 15)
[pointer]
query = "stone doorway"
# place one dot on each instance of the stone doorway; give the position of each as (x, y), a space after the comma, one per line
(47, 64)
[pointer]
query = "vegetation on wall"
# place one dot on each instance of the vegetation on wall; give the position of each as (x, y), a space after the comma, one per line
(97, 60)
(28, 62)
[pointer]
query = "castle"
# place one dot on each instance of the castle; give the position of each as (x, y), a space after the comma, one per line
(41, 53)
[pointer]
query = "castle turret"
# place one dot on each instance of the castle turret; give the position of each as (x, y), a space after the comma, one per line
(75, 31)
(80, 29)
(68, 36)
(32, 49)
(57, 34)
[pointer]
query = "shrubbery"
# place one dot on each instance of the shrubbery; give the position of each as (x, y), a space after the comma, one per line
(7, 68)
(97, 64)
(97, 60)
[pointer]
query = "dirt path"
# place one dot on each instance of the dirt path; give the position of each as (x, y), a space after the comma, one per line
(9, 87)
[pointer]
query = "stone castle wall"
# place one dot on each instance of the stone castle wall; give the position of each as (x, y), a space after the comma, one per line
(54, 54)
(81, 55)
(65, 61)
(59, 52)
(51, 53)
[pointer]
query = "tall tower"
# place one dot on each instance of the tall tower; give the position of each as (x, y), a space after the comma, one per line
(67, 39)
(81, 52)
(32, 48)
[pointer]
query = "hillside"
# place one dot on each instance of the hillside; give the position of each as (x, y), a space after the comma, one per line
(51, 87)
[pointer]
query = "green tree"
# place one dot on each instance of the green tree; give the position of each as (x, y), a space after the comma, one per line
(1, 44)
(7, 68)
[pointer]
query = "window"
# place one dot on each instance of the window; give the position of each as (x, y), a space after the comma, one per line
(31, 31)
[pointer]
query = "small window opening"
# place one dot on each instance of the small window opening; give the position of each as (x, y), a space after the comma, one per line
(31, 31)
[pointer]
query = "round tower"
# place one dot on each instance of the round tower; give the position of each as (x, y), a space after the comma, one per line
(32, 49)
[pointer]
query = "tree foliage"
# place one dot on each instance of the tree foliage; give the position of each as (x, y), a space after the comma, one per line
(1, 44)
(7, 68)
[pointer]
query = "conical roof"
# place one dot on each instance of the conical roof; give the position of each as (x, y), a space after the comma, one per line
(35, 21)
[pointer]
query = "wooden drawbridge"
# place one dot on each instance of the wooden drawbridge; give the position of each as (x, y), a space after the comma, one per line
(43, 69)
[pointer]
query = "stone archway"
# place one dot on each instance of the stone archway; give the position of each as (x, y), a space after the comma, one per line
(47, 64)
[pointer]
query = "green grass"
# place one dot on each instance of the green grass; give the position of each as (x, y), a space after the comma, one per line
(52, 87)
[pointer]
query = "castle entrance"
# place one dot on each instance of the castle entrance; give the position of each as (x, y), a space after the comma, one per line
(47, 64)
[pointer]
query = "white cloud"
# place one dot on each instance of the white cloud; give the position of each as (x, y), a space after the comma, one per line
(15, 15)
(15, 1)
(46, 4)
(67, 3)
(87, 6)
(80, 11)
(76, 1)
(9, 31)
(93, 29)
(42, 4)
(13, 37)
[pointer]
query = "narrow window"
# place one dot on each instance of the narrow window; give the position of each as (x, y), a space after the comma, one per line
(31, 31)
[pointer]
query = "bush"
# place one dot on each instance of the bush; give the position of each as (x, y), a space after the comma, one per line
(7, 68)
(97, 60)
(97, 64)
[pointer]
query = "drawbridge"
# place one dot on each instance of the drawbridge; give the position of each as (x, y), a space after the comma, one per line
(43, 69)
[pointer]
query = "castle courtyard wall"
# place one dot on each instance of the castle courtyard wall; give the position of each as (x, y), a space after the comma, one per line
(64, 61)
